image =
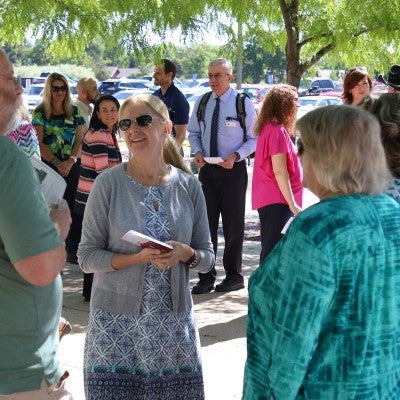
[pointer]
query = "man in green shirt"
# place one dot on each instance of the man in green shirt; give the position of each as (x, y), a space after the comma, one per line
(32, 255)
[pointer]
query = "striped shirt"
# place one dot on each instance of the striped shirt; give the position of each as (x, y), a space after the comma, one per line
(100, 151)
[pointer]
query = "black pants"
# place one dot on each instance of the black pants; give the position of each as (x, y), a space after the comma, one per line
(272, 220)
(225, 194)
(71, 242)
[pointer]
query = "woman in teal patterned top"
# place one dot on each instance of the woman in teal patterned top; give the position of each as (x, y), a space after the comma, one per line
(59, 127)
(324, 307)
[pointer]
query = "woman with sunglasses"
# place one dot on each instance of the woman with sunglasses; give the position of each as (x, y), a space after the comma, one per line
(277, 190)
(100, 151)
(324, 320)
(59, 127)
(142, 341)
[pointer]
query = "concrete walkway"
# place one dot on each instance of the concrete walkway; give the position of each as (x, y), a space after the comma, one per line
(221, 319)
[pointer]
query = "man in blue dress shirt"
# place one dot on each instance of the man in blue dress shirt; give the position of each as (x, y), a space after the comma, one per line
(224, 183)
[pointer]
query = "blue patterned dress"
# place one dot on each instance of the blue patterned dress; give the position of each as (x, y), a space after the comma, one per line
(153, 356)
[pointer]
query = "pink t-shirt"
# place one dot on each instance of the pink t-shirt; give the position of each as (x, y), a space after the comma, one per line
(265, 190)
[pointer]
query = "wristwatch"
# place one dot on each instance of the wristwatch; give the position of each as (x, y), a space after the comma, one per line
(193, 261)
(237, 156)
(74, 158)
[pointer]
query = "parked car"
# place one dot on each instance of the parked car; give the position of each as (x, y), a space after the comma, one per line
(177, 82)
(192, 100)
(260, 96)
(251, 90)
(337, 91)
(124, 94)
(33, 96)
(112, 86)
(308, 103)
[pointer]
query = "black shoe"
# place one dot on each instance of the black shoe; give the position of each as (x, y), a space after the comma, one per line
(203, 287)
(72, 259)
(229, 286)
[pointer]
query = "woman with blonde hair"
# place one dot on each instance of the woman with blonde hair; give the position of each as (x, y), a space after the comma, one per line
(277, 190)
(142, 341)
(324, 319)
(59, 128)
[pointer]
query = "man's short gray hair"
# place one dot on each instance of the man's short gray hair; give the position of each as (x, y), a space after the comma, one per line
(223, 62)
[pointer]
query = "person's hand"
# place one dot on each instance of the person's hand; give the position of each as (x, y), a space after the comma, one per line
(181, 252)
(228, 162)
(198, 160)
(61, 217)
(147, 255)
(65, 166)
(295, 209)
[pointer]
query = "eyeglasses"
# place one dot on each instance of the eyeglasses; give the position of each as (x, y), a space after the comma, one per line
(142, 121)
(300, 147)
(216, 76)
(56, 89)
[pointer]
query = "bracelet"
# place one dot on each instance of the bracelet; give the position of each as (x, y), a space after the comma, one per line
(75, 159)
(55, 161)
(194, 260)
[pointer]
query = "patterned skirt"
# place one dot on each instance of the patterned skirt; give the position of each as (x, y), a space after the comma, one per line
(153, 356)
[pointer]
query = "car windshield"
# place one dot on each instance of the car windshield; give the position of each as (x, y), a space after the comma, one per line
(307, 103)
(35, 90)
(123, 95)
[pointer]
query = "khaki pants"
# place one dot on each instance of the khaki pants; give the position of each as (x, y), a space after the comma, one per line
(46, 392)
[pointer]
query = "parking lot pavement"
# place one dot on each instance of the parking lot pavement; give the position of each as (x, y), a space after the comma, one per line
(221, 319)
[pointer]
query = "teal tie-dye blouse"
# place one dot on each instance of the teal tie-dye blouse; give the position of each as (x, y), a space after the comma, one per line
(324, 307)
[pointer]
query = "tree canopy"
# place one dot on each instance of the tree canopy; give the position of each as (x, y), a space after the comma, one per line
(350, 31)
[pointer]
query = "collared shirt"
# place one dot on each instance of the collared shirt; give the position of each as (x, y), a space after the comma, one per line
(230, 134)
(85, 111)
(178, 106)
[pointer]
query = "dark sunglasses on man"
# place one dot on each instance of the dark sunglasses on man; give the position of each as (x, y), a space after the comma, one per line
(142, 121)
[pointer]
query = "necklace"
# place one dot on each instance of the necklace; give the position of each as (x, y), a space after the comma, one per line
(156, 179)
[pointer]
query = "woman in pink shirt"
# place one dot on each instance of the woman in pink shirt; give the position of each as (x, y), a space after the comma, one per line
(277, 189)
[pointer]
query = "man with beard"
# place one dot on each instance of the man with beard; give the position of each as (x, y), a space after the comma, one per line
(32, 255)
(87, 95)
(173, 98)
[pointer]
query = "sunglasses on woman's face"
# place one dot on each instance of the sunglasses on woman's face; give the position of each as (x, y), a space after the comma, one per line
(56, 89)
(142, 121)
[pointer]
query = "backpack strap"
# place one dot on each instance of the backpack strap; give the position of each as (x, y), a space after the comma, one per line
(201, 109)
(241, 112)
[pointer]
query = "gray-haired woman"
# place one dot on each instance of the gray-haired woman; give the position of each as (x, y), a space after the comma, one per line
(324, 307)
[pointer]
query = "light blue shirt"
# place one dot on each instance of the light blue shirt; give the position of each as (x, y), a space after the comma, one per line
(230, 134)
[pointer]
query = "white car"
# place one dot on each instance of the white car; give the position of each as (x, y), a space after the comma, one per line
(308, 103)
(33, 96)
(191, 87)
(124, 94)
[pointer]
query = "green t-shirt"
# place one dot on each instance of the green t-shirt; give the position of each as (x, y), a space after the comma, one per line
(29, 314)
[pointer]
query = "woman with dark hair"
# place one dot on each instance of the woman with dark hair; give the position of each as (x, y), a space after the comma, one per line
(100, 151)
(356, 86)
(277, 190)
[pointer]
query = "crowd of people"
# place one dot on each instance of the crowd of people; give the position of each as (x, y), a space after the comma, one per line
(323, 313)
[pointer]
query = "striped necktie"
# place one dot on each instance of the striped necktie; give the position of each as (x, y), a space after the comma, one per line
(214, 130)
